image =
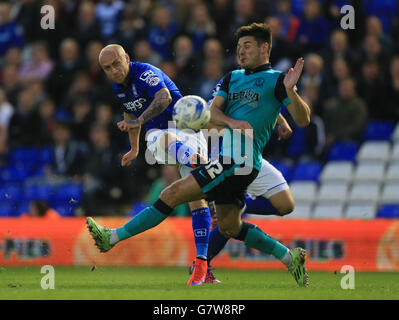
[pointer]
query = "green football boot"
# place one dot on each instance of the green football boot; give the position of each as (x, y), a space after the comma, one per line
(101, 235)
(297, 267)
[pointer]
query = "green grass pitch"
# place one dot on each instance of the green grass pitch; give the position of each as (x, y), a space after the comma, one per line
(170, 284)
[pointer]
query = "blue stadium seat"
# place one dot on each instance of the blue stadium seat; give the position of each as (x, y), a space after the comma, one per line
(22, 207)
(378, 130)
(40, 191)
(307, 171)
(23, 155)
(45, 156)
(69, 193)
(389, 211)
(65, 210)
(11, 192)
(343, 151)
(285, 169)
(15, 173)
(6, 209)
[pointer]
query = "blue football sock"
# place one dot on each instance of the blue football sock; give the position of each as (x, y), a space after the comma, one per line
(260, 205)
(180, 152)
(144, 220)
(201, 221)
(217, 241)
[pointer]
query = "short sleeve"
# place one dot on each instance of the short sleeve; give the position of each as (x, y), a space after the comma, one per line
(152, 79)
(279, 91)
(224, 87)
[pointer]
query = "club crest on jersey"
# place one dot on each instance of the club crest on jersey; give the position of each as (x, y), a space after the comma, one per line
(150, 78)
(259, 82)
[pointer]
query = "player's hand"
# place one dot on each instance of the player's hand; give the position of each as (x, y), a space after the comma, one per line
(126, 125)
(284, 130)
(243, 126)
(129, 157)
(292, 77)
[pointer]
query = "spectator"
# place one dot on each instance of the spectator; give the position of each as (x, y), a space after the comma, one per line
(162, 32)
(143, 52)
(10, 82)
(371, 89)
(373, 50)
(94, 71)
(11, 34)
(200, 26)
(184, 60)
(289, 22)
(104, 117)
(313, 29)
(392, 94)
(340, 71)
(132, 26)
(212, 72)
(82, 119)
(109, 13)
(6, 112)
(27, 14)
(374, 27)
(41, 209)
(348, 110)
(339, 48)
(170, 69)
(212, 49)
(47, 121)
(68, 155)
(222, 12)
(101, 172)
(24, 127)
(62, 76)
(38, 66)
(87, 28)
(13, 56)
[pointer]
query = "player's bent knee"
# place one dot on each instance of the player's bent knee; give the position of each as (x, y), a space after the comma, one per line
(286, 208)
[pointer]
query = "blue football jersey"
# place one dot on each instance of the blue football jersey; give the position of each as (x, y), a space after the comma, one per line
(145, 81)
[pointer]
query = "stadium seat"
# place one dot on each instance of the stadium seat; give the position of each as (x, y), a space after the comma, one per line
(284, 168)
(68, 192)
(65, 210)
(361, 211)
(328, 211)
(395, 134)
(304, 190)
(389, 211)
(369, 172)
(302, 210)
(343, 151)
(378, 130)
(364, 192)
(392, 173)
(6, 209)
(337, 171)
(374, 151)
(395, 153)
(14, 173)
(44, 156)
(11, 192)
(332, 193)
(307, 171)
(23, 155)
(40, 191)
(390, 193)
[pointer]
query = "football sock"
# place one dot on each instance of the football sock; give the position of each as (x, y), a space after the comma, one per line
(144, 220)
(255, 238)
(217, 242)
(260, 205)
(201, 222)
(180, 152)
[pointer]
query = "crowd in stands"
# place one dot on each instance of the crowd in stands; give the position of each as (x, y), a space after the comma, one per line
(55, 97)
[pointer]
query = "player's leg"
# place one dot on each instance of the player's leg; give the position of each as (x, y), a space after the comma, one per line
(181, 191)
(230, 225)
(182, 152)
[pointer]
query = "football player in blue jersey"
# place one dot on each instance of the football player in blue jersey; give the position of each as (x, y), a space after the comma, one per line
(247, 104)
(147, 96)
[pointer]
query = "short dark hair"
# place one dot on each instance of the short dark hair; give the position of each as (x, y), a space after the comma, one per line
(260, 31)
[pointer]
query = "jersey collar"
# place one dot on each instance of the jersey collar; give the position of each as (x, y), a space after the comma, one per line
(263, 67)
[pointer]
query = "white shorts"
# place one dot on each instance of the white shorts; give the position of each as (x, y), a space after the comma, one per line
(268, 182)
(195, 140)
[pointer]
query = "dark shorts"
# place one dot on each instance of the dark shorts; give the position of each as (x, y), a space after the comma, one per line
(224, 181)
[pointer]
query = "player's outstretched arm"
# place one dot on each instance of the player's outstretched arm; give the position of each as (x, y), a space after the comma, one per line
(298, 108)
(218, 117)
(161, 101)
(134, 136)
